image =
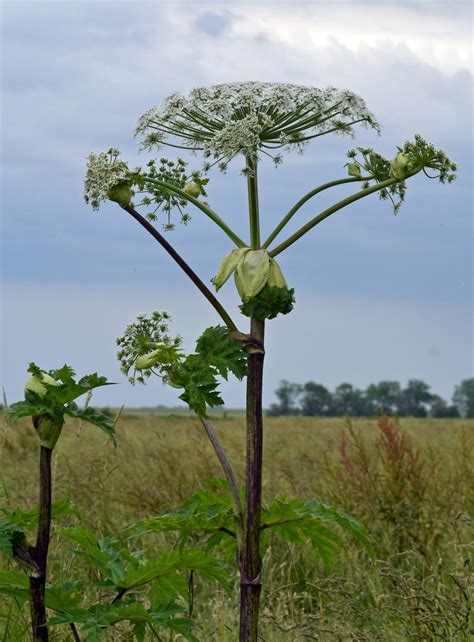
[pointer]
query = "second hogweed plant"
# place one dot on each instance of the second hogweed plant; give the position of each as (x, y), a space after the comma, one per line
(248, 122)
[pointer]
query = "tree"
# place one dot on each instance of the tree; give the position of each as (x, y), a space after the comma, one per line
(463, 398)
(440, 409)
(287, 394)
(415, 399)
(348, 400)
(384, 396)
(316, 400)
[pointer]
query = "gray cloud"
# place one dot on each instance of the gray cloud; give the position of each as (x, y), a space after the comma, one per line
(76, 77)
(214, 23)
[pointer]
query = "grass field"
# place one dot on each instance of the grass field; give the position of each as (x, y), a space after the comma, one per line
(412, 487)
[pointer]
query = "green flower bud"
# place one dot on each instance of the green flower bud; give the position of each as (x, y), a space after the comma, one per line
(162, 354)
(275, 276)
(146, 361)
(48, 430)
(228, 266)
(251, 273)
(35, 384)
(192, 189)
(353, 169)
(47, 427)
(400, 166)
(121, 194)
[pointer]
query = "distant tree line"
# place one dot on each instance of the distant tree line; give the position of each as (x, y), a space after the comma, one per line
(414, 400)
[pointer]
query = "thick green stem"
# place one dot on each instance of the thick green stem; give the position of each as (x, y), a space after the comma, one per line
(40, 552)
(250, 560)
(204, 208)
(334, 208)
(287, 218)
(252, 189)
(184, 266)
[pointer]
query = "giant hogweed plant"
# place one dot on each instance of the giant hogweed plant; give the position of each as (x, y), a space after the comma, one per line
(146, 594)
(49, 399)
(251, 122)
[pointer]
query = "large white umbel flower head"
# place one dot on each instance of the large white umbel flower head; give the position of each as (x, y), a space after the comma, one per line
(246, 118)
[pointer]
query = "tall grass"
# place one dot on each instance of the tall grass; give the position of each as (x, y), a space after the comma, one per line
(411, 485)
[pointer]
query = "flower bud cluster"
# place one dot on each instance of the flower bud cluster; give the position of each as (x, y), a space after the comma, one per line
(415, 156)
(174, 174)
(47, 427)
(145, 345)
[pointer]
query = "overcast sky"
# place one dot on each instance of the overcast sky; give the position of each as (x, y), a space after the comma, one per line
(378, 296)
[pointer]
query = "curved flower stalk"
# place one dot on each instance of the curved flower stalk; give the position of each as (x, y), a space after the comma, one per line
(376, 174)
(247, 117)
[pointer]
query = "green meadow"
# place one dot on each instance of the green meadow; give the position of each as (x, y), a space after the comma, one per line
(410, 484)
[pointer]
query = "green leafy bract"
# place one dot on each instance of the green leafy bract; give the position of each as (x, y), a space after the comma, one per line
(269, 302)
(58, 399)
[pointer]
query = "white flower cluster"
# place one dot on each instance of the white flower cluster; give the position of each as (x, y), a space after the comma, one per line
(104, 171)
(244, 118)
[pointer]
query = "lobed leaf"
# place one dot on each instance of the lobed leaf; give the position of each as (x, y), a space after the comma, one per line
(269, 302)
(94, 417)
(296, 520)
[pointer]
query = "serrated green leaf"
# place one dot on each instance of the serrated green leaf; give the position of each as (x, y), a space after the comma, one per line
(34, 405)
(94, 417)
(168, 587)
(34, 369)
(170, 563)
(222, 352)
(15, 579)
(15, 525)
(65, 374)
(64, 597)
(207, 513)
(297, 520)
(104, 554)
(15, 584)
(199, 383)
(269, 302)
(98, 618)
(216, 354)
(139, 630)
(70, 390)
